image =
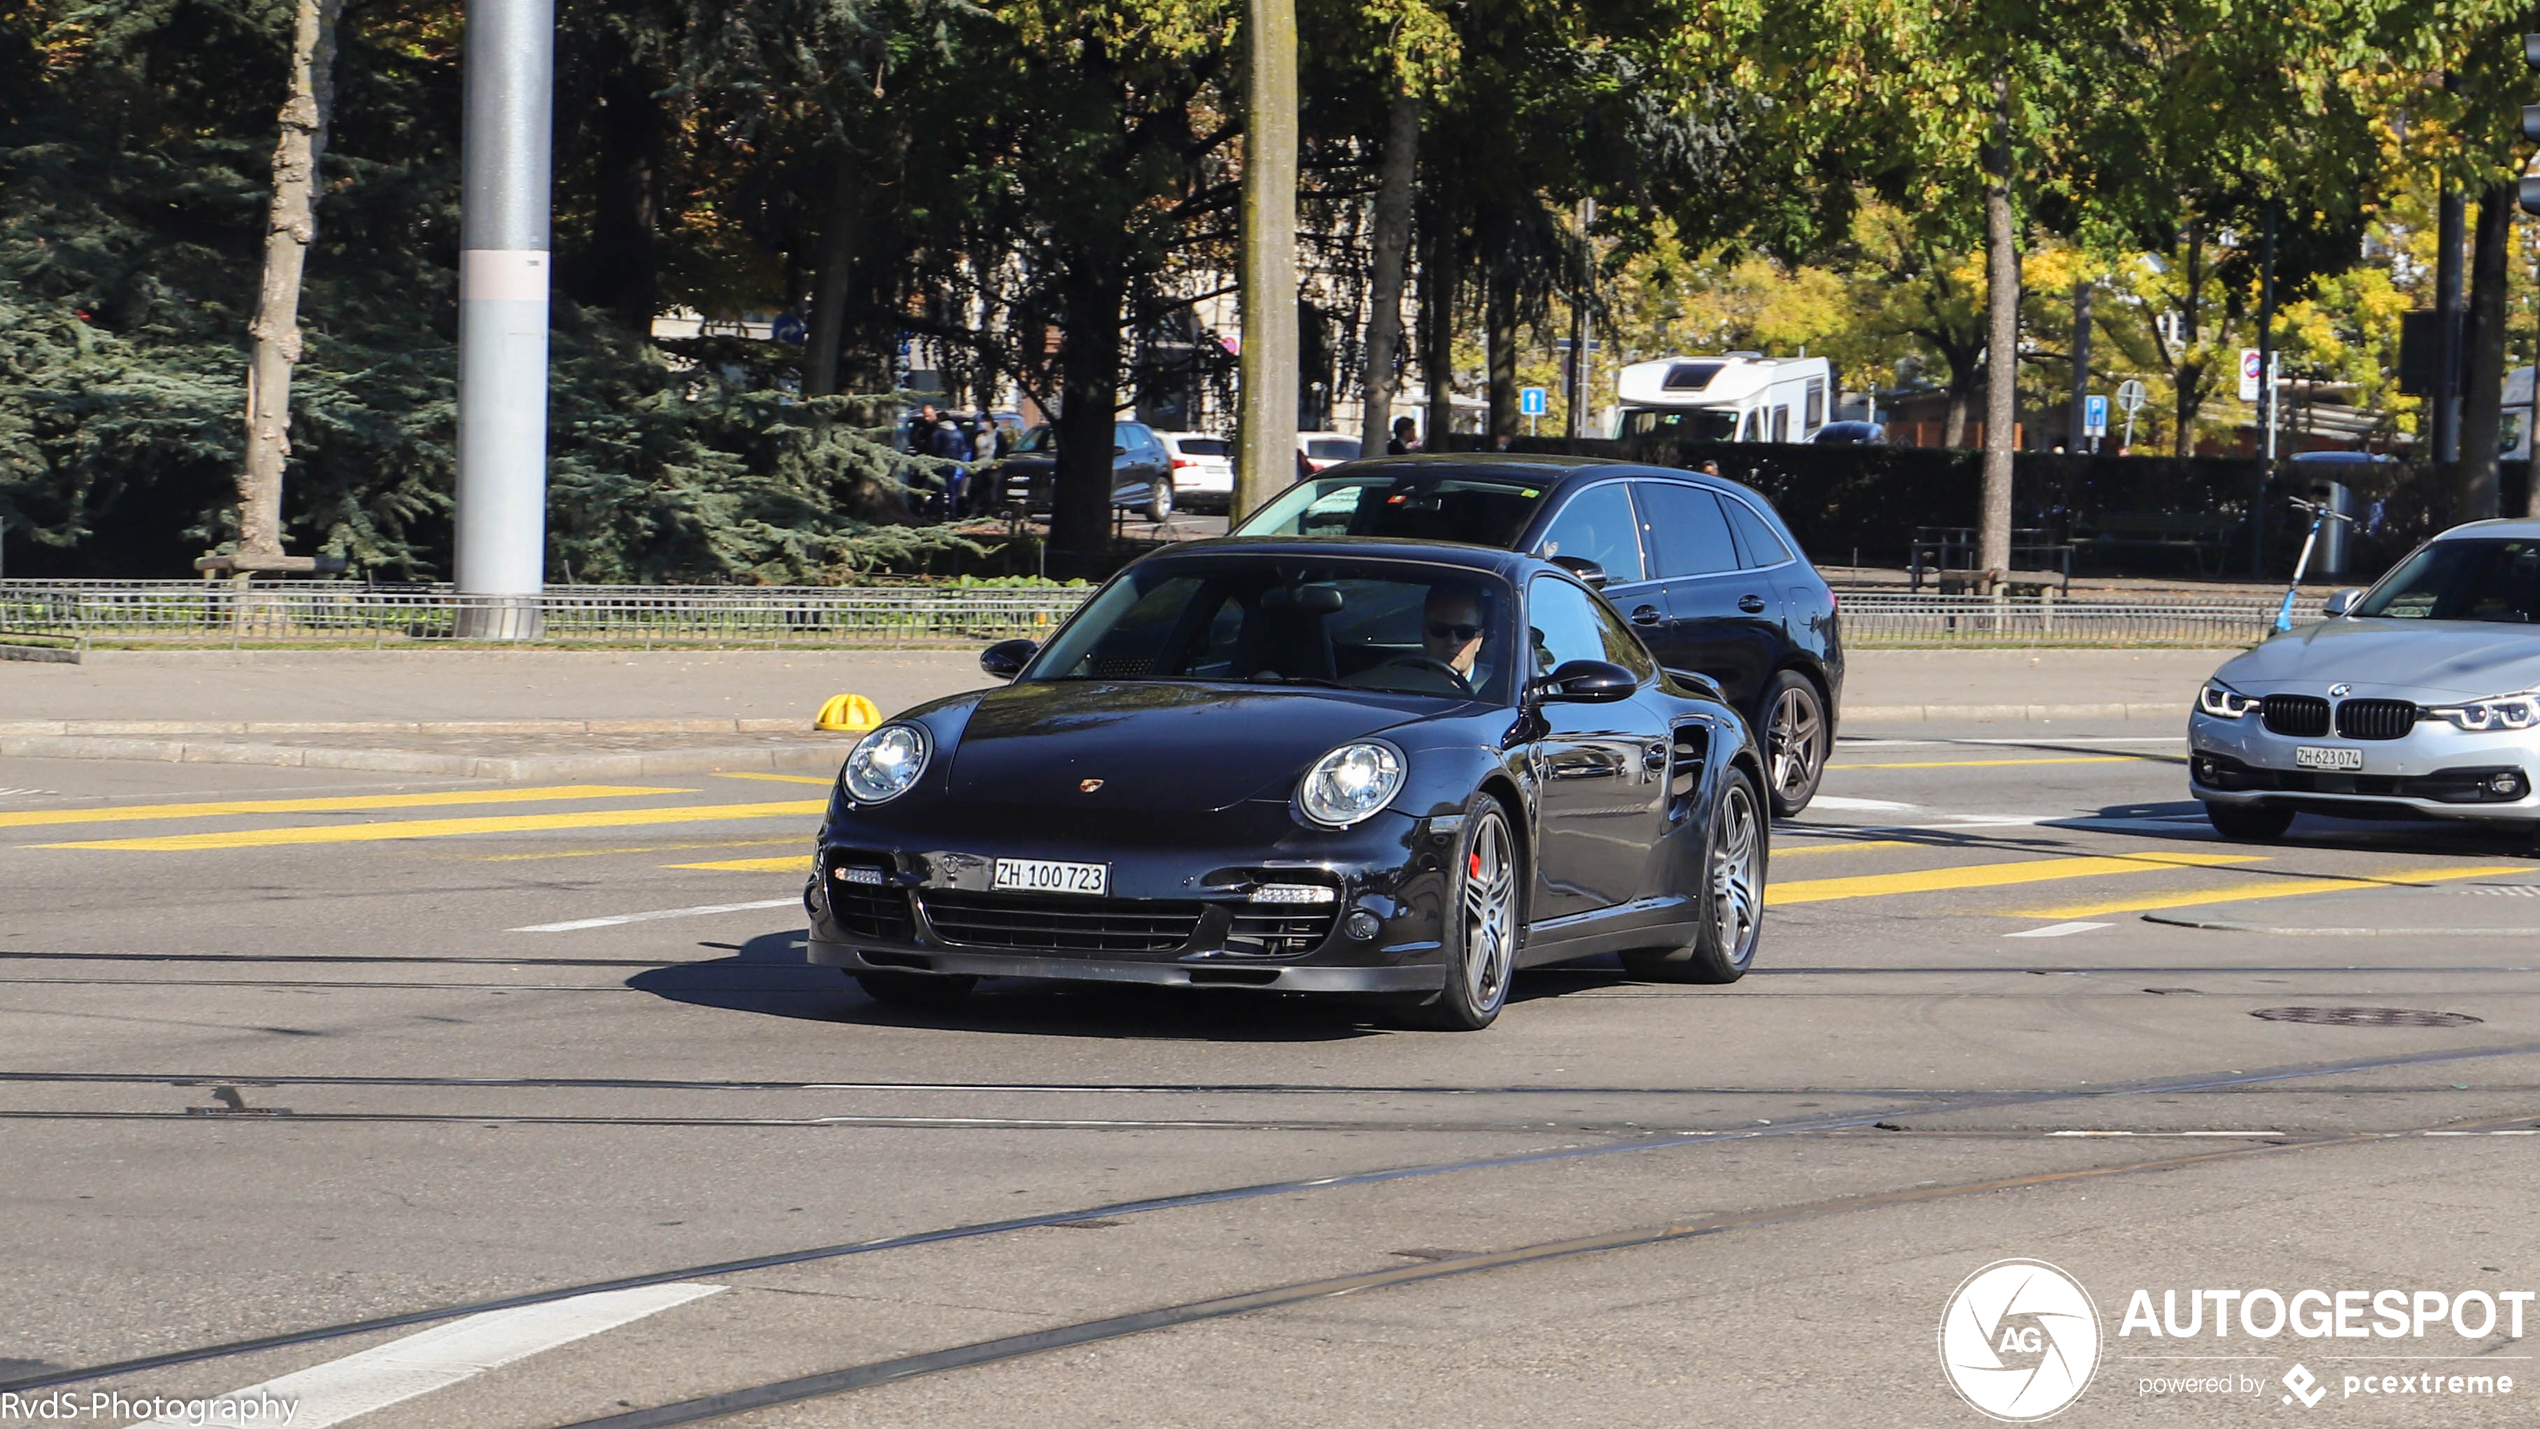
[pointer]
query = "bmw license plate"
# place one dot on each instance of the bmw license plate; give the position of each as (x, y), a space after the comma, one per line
(1041, 875)
(2327, 756)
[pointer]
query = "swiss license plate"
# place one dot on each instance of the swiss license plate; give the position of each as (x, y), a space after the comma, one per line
(2327, 756)
(1041, 875)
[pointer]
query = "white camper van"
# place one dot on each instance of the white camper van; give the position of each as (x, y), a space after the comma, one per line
(1734, 397)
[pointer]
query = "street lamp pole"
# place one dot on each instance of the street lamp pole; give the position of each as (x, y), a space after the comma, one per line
(504, 205)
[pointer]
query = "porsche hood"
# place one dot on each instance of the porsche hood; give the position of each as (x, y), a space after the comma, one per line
(1152, 744)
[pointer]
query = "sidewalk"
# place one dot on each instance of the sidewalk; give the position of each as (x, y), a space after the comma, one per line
(556, 714)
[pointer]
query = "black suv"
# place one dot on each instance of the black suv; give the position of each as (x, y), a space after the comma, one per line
(1702, 567)
(1141, 471)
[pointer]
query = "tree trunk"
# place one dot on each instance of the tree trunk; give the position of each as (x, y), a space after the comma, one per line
(1438, 286)
(2187, 373)
(1265, 461)
(1953, 429)
(2483, 355)
(291, 226)
(1089, 374)
(2079, 439)
(829, 285)
(1390, 241)
(1500, 301)
(625, 258)
(2002, 345)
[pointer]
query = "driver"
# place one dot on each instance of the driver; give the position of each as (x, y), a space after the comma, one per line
(1451, 627)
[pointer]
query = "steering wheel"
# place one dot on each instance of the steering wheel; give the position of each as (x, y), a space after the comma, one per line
(1432, 663)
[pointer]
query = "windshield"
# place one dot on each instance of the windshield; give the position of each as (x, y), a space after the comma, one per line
(1043, 438)
(1426, 505)
(1699, 424)
(1261, 620)
(2462, 580)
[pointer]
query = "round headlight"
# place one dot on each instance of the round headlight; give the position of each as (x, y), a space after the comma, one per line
(1350, 784)
(885, 763)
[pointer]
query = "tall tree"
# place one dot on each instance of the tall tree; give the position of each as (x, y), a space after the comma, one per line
(290, 228)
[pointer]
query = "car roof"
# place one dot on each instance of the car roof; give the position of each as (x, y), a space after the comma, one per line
(1554, 471)
(1495, 559)
(2509, 528)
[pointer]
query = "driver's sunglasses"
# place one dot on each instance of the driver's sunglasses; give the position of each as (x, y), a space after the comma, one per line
(1458, 633)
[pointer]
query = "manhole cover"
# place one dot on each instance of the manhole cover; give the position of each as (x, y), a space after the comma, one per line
(2365, 1016)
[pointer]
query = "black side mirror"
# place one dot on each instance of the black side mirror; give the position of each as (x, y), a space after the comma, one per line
(1589, 572)
(1006, 659)
(1591, 681)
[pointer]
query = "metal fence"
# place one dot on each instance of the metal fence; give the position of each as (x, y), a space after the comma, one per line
(346, 613)
(1876, 619)
(329, 613)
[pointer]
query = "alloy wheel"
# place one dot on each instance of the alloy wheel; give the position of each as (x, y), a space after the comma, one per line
(1490, 912)
(1736, 848)
(1796, 752)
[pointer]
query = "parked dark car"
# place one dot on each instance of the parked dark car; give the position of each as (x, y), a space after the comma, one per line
(1851, 434)
(1141, 471)
(1395, 768)
(1702, 567)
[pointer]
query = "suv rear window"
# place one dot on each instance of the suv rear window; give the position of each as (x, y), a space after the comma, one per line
(1430, 506)
(1200, 446)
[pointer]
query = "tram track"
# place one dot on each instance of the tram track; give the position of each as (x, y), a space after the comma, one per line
(1851, 1120)
(878, 1372)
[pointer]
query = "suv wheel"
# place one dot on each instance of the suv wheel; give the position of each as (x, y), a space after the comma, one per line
(1795, 741)
(1160, 503)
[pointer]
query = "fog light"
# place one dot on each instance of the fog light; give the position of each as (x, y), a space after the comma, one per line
(1293, 893)
(852, 873)
(2505, 786)
(2204, 771)
(1361, 926)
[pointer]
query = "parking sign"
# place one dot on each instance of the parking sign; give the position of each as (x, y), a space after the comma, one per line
(1530, 402)
(2094, 416)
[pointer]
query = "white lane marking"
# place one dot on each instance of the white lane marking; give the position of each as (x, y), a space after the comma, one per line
(2167, 1133)
(2511, 1131)
(1874, 806)
(440, 1357)
(2037, 741)
(2056, 930)
(614, 919)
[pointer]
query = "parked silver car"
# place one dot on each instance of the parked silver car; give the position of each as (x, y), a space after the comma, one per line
(2417, 698)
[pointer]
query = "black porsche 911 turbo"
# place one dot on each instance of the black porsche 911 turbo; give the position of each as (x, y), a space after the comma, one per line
(1323, 765)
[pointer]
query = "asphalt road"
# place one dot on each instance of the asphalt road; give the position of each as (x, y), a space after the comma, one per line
(310, 1052)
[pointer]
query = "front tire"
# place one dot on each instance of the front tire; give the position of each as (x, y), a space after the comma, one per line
(1795, 742)
(2248, 823)
(1484, 913)
(930, 992)
(1730, 905)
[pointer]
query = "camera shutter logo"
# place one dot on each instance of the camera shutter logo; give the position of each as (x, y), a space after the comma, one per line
(2019, 1341)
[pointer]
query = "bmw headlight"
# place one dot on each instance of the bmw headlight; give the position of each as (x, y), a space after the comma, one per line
(2496, 712)
(886, 762)
(1351, 784)
(2223, 702)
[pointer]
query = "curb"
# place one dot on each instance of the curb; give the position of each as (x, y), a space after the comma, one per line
(817, 758)
(2168, 711)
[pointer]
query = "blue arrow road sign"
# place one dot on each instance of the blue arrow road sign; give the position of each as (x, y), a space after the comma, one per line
(2094, 416)
(1530, 402)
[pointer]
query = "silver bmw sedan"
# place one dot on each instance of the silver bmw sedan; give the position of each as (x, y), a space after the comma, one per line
(2418, 698)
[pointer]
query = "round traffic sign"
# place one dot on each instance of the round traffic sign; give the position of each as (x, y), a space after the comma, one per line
(2130, 396)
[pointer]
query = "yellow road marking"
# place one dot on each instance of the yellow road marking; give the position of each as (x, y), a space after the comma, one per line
(447, 828)
(785, 778)
(2275, 888)
(795, 863)
(1989, 875)
(125, 812)
(1997, 763)
(624, 848)
(1791, 852)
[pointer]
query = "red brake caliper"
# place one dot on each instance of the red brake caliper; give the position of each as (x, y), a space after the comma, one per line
(1474, 868)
